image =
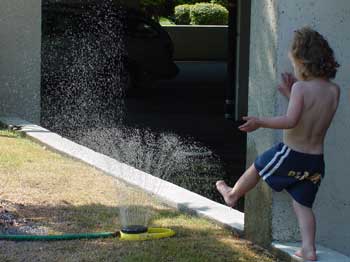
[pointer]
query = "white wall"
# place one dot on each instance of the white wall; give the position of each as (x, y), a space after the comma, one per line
(20, 43)
(274, 22)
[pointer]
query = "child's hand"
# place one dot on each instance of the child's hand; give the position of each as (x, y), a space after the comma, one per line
(287, 82)
(251, 125)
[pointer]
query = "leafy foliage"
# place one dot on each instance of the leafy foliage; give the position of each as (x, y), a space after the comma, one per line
(189, 2)
(182, 14)
(178, 10)
(208, 14)
(224, 3)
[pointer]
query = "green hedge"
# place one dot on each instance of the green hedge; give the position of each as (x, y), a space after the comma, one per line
(182, 14)
(166, 8)
(208, 14)
(224, 3)
(189, 2)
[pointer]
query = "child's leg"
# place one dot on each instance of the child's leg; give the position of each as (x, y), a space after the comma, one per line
(245, 183)
(307, 225)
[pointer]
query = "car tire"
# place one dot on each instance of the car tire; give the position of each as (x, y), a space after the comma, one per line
(139, 78)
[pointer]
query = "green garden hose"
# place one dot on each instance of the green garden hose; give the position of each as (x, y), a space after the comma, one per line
(151, 233)
(58, 237)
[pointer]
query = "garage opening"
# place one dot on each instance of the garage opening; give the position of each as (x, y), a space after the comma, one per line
(101, 59)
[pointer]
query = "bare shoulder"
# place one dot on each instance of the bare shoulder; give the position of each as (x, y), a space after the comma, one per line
(299, 86)
(299, 89)
(335, 89)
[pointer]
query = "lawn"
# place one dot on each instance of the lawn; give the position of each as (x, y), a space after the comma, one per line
(165, 21)
(52, 193)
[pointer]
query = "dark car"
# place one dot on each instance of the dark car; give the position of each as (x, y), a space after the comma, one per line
(149, 49)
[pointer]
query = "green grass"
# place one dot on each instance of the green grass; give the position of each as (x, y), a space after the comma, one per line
(67, 196)
(166, 21)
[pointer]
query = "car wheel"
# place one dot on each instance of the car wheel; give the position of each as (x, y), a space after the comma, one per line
(140, 79)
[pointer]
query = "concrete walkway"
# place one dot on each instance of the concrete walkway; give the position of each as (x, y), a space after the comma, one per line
(169, 193)
(287, 250)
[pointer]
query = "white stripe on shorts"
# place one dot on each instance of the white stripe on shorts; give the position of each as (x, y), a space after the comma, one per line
(261, 173)
(277, 165)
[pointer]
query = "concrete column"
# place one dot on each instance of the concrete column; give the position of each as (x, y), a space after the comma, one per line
(261, 101)
(269, 215)
(20, 43)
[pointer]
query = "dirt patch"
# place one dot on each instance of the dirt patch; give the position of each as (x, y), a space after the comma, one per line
(13, 223)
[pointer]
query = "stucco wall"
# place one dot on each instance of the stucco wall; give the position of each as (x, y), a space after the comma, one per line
(332, 207)
(276, 20)
(20, 40)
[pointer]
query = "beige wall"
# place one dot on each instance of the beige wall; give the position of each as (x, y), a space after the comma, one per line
(273, 23)
(20, 40)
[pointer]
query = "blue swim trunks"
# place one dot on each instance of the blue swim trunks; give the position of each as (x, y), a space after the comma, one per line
(298, 173)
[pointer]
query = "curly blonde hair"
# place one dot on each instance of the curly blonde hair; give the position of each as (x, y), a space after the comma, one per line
(312, 50)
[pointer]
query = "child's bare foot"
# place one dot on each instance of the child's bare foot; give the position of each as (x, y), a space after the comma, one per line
(225, 191)
(307, 255)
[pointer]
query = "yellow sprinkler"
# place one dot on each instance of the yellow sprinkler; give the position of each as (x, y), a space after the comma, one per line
(144, 233)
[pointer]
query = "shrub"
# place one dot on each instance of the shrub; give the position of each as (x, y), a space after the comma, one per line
(208, 14)
(224, 3)
(189, 2)
(182, 14)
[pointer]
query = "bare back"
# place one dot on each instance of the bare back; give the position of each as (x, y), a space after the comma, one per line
(320, 104)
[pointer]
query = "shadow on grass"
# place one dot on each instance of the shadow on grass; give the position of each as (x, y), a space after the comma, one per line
(195, 240)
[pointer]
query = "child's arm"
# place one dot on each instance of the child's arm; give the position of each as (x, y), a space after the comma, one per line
(290, 120)
(288, 81)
